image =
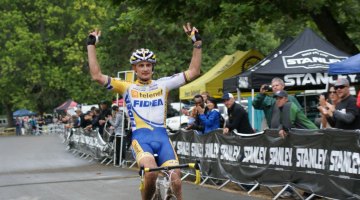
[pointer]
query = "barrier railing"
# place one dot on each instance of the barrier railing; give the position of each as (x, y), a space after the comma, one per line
(90, 144)
(323, 162)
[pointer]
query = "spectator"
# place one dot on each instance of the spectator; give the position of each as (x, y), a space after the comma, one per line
(86, 120)
(95, 121)
(265, 102)
(66, 119)
(197, 124)
(118, 126)
(345, 115)
(211, 119)
(205, 95)
(287, 115)
(18, 123)
(238, 117)
(92, 109)
(41, 122)
(33, 125)
(77, 119)
(117, 121)
(22, 126)
(331, 98)
(105, 112)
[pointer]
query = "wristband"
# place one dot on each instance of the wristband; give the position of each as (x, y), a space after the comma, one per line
(194, 36)
(92, 40)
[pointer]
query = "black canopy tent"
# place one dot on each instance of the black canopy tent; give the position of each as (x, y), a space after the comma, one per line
(302, 63)
(232, 84)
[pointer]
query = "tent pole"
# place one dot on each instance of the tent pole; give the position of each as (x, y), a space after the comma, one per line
(252, 108)
(238, 95)
(305, 105)
(327, 84)
(117, 99)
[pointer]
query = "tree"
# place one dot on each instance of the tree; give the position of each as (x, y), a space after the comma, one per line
(42, 53)
(335, 19)
(43, 58)
(239, 20)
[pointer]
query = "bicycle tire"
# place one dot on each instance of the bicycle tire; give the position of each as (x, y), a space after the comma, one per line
(157, 197)
(170, 195)
(157, 194)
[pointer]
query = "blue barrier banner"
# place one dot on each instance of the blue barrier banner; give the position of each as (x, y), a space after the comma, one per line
(325, 162)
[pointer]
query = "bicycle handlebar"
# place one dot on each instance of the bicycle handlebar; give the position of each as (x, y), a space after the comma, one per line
(195, 166)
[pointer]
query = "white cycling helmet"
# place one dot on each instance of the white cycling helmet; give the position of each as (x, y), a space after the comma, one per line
(142, 55)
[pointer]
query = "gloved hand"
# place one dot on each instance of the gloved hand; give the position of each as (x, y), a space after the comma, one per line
(192, 33)
(93, 37)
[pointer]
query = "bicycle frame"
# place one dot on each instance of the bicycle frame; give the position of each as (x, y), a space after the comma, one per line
(167, 176)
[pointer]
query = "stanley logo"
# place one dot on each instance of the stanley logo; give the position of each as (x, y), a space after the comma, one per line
(311, 58)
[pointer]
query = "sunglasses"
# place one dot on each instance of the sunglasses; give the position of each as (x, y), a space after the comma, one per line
(340, 87)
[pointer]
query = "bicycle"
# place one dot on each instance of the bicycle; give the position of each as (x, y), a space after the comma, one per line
(164, 180)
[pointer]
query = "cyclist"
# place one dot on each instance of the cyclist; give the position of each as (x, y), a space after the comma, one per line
(146, 101)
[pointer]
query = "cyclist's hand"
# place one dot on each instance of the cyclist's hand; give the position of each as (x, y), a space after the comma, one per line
(93, 37)
(192, 32)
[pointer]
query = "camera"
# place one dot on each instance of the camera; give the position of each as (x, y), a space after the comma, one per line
(267, 87)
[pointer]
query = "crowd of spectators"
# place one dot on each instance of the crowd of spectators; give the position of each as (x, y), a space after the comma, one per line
(205, 116)
(30, 125)
(108, 121)
(337, 109)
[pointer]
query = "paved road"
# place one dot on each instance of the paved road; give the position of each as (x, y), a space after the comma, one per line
(39, 168)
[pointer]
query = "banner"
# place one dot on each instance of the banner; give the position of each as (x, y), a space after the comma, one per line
(90, 143)
(324, 162)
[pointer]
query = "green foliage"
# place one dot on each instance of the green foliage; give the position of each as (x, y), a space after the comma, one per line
(43, 56)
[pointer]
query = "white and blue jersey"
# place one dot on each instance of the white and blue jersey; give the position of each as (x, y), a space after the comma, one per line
(146, 104)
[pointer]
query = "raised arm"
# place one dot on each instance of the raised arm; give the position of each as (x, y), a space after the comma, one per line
(94, 66)
(194, 67)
